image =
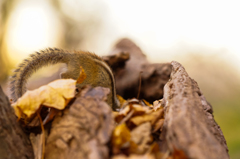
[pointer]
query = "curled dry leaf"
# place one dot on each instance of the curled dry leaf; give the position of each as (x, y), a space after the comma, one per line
(121, 135)
(158, 115)
(149, 116)
(141, 135)
(158, 125)
(56, 94)
(121, 140)
(137, 120)
(140, 114)
(178, 154)
(121, 100)
(147, 156)
(155, 151)
(137, 125)
(135, 108)
(146, 103)
(157, 104)
(82, 76)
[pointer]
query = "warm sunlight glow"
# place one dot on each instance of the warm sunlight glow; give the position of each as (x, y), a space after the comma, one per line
(32, 26)
(162, 25)
(162, 28)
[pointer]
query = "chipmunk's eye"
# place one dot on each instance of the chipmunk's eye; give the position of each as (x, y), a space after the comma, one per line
(77, 91)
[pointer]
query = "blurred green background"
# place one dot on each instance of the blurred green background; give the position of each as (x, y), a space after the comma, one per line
(203, 36)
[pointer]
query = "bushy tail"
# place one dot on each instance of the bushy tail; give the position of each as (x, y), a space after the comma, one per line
(33, 63)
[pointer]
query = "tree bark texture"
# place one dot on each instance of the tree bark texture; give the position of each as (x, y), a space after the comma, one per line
(189, 123)
(84, 129)
(134, 68)
(14, 142)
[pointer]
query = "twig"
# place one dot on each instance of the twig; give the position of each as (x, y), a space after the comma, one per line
(43, 135)
(140, 84)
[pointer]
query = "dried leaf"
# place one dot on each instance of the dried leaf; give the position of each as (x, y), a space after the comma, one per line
(179, 154)
(137, 120)
(140, 121)
(121, 140)
(152, 117)
(157, 115)
(141, 135)
(120, 115)
(82, 76)
(121, 100)
(121, 135)
(135, 108)
(147, 156)
(140, 110)
(158, 125)
(157, 104)
(155, 150)
(146, 103)
(56, 94)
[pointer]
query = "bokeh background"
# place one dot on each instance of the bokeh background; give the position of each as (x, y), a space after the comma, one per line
(203, 35)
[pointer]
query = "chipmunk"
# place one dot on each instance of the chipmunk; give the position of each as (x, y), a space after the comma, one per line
(97, 71)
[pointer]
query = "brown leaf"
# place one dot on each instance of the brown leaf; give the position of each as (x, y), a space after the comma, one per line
(141, 135)
(179, 154)
(157, 115)
(152, 117)
(133, 156)
(158, 125)
(135, 108)
(121, 100)
(82, 76)
(157, 104)
(146, 103)
(155, 150)
(137, 120)
(121, 140)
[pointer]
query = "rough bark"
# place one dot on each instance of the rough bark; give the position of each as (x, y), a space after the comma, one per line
(14, 143)
(128, 72)
(189, 124)
(84, 129)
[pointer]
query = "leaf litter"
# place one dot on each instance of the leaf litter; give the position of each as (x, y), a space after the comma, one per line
(136, 122)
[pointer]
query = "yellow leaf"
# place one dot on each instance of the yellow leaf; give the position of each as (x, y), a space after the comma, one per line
(66, 87)
(146, 102)
(135, 109)
(121, 100)
(55, 95)
(137, 120)
(121, 139)
(121, 135)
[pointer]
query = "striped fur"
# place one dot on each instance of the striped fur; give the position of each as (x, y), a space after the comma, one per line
(73, 60)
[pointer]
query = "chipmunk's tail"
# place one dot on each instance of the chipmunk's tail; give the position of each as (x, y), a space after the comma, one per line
(36, 61)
